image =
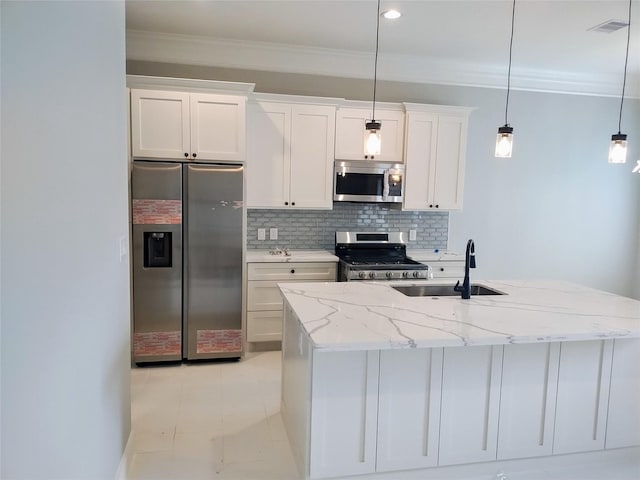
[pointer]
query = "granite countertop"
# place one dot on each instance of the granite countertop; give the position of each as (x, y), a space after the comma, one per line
(373, 316)
(260, 256)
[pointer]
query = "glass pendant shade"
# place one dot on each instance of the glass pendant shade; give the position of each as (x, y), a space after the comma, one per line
(372, 138)
(618, 148)
(504, 142)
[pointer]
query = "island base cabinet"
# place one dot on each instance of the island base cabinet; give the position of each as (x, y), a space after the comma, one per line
(409, 409)
(623, 421)
(583, 394)
(528, 400)
(471, 378)
(343, 413)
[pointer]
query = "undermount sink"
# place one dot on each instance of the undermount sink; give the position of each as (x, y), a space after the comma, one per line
(442, 290)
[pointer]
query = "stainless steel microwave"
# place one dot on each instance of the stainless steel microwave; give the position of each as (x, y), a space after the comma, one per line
(362, 181)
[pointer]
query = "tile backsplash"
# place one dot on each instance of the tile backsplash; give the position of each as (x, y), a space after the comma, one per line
(315, 229)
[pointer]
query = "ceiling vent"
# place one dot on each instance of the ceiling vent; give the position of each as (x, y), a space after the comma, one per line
(609, 26)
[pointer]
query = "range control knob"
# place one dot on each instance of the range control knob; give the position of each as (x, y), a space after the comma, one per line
(405, 274)
(372, 274)
(362, 275)
(416, 274)
(389, 275)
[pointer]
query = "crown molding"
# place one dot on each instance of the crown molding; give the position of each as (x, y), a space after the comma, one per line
(226, 53)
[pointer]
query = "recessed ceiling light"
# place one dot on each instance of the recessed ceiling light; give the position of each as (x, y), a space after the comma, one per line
(391, 14)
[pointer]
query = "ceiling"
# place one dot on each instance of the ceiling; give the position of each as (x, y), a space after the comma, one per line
(439, 41)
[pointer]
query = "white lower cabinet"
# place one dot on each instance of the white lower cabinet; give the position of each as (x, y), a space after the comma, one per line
(528, 400)
(409, 409)
(623, 421)
(470, 400)
(264, 301)
(344, 413)
(583, 395)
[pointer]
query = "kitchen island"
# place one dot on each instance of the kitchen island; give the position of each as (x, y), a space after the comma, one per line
(381, 384)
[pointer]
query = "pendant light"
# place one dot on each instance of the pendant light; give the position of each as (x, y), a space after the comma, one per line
(504, 140)
(618, 147)
(372, 139)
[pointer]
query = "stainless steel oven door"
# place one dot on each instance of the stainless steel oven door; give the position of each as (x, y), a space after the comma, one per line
(365, 182)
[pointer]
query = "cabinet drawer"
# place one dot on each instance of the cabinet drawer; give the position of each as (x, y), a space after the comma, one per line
(263, 296)
(293, 271)
(264, 326)
(447, 269)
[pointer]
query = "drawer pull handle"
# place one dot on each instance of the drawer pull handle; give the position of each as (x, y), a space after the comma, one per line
(442, 269)
(293, 271)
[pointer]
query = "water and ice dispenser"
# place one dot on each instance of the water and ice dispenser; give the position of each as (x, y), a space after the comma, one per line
(157, 250)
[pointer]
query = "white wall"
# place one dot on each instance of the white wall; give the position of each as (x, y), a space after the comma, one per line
(65, 292)
(557, 209)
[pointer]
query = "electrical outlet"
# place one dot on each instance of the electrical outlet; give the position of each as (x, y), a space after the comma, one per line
(273, 234)
(412, 235)
(262, 234)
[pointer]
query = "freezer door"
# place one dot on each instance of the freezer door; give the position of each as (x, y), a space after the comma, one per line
(156, 204)
(212, 303)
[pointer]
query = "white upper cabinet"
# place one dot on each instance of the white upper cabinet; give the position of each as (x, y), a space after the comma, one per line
(435, 147)
(350, 134)
(290, 155)
(192, 126)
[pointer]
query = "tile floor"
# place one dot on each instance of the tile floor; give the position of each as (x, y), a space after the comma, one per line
(221, 421)
(209, 421)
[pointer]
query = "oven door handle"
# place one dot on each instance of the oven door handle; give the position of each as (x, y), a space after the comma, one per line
(385, 186)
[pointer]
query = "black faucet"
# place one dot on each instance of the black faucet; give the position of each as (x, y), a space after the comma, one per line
(469, 262)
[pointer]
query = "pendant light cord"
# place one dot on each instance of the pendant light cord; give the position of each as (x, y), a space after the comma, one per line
(506, 108)
(626, 59)
(375, 68)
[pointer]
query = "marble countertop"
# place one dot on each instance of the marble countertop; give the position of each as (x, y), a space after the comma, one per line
(426, 255)
(372, 315)
(259, 256)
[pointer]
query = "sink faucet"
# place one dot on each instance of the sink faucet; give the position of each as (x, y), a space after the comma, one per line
(469, 262)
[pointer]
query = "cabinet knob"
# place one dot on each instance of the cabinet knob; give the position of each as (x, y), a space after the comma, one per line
(437, 206)
(442, 269)
(286, 203)
(372, 157)
(293, 271)
(366, 156)
(431, 205)
(186, 155)
(195, 155)
(293, 203)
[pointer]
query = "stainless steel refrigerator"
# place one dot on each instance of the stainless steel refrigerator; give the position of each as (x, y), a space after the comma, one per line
(187, 260)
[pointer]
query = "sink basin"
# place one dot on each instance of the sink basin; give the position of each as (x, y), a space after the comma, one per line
(442, 290)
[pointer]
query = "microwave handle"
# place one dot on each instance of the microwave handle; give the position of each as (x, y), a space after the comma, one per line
(385, 188)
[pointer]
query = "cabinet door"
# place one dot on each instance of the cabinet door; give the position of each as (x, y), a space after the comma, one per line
(528, 400)
(312, 141)
(471, 379)
(292, 271)
(583, 392)
(448, 182)
(409, 409)
(623, 421)
(343, 413)
(263, 295)
(350, 134)
(217, 127)
(159, 124)
(422, 129)
(268, 155)
(446, 269)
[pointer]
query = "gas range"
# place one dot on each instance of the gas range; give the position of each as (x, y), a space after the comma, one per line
(376, 256)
